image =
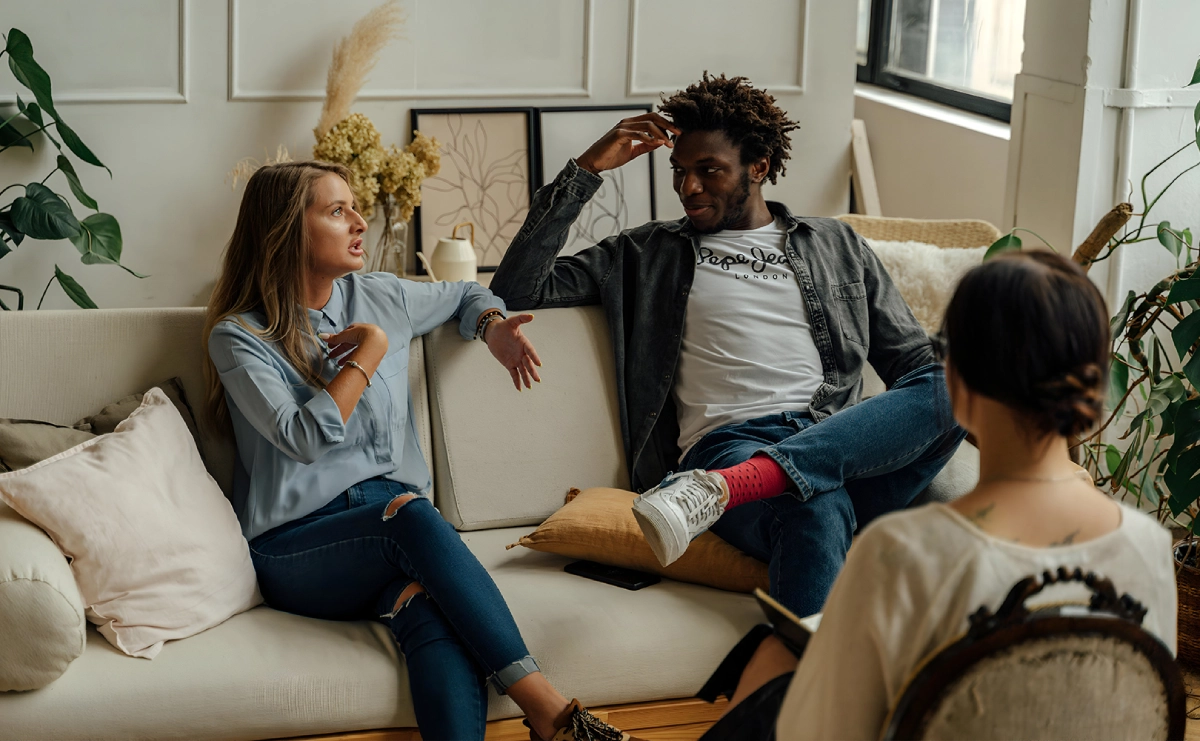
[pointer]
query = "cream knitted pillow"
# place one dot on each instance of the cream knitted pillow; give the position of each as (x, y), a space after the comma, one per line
(926, 275)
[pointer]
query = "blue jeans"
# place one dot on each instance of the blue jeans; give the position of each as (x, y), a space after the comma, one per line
(347, 561)
(866, 460)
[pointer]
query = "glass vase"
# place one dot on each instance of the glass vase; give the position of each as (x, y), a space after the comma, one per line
(391, 251)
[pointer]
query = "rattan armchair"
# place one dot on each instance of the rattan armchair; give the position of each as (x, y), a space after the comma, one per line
(941, 232)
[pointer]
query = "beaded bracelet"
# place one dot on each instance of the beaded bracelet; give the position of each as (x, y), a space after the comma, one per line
(486, 318)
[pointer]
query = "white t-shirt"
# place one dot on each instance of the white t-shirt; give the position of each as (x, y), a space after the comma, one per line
(748, 348)
(910, 581)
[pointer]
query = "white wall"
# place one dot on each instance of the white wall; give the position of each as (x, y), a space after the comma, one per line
(1066, 153)
(931, 161)
(159, 97)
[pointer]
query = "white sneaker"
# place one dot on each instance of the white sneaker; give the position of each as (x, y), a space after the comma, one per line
(677, 510)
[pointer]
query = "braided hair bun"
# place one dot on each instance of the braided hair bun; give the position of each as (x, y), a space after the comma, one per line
(1073, 402)
(1029, 330)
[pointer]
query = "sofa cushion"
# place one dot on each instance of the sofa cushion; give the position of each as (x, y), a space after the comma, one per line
(266, 674)
(41, 611)
(155, 547)
(24, 442)
(260, 674)
(608, 645)
(107, 419)
(959, 477)
(507, 458)
(598, 525)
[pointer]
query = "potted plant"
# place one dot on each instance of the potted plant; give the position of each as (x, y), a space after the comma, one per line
(1146, 447)
(41, 213)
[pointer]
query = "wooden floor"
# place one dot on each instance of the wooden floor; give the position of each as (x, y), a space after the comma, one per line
(667, 720)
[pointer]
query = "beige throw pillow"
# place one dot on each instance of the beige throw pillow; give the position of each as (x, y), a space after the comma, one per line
(598, 525)
(24, 442)
(156, 548)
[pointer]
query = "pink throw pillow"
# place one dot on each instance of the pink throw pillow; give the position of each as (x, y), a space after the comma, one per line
(156, 548)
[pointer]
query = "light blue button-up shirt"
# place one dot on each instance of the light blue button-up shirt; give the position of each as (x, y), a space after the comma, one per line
(294, 453)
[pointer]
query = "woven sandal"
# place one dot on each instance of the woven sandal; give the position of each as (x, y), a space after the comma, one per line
(577, 724)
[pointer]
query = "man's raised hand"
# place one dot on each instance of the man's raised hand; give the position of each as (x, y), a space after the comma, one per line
(630, 138)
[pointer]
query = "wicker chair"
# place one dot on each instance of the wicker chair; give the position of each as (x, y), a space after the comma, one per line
(942, 232)
(1066, 672)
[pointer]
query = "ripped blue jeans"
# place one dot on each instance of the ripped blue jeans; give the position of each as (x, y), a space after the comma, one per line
(351, 559)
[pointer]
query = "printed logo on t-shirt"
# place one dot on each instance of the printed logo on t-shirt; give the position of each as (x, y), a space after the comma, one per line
(760, 264)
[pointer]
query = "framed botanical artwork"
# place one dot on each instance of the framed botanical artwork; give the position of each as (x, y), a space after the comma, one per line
(626, 199)
(489, 163)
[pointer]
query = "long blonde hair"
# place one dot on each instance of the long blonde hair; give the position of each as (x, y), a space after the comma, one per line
(264, 269)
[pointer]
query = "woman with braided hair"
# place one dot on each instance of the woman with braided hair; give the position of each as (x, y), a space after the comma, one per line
(1025, 342)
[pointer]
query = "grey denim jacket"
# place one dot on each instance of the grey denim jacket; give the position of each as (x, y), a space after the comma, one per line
(642, 277)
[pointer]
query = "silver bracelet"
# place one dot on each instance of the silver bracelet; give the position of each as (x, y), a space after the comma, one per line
(362, 370)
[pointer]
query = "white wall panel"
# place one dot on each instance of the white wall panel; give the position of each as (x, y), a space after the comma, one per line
(1047, 169)
(111, 51)
(280, 49)
(672, 41)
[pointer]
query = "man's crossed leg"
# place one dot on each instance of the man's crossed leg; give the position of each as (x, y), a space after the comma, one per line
(867, 460)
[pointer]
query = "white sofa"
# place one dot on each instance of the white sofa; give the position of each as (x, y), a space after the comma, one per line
(502, 462)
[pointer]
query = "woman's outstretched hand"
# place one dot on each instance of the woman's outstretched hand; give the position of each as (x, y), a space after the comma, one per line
(513, 349)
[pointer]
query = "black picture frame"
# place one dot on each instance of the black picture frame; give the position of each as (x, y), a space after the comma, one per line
(497, 240)
(616, 214)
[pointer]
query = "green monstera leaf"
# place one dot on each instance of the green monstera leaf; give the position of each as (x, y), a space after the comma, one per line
(43, 214)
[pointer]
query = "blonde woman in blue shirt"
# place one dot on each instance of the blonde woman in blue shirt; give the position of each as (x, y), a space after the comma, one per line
(309, 364)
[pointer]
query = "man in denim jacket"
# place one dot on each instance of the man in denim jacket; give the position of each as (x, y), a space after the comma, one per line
(740, 333)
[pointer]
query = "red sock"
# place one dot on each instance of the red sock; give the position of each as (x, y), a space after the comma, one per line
(758, 478)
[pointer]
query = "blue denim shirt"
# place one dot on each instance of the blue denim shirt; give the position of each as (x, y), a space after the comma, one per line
(294, 454)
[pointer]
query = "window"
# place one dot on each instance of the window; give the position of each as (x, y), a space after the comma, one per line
(964, 53)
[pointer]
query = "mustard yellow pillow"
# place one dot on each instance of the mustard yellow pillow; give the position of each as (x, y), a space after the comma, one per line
(598, 525)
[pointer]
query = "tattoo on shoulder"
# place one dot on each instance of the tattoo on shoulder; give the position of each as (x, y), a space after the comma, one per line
(982, 513)
(1067, 540)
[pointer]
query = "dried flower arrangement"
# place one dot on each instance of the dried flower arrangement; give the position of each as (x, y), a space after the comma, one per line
(388, 177)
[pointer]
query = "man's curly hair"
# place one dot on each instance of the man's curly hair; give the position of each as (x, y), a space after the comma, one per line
(747, 115)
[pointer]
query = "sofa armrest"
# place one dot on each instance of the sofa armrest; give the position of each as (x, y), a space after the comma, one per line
(41, 609)
(959, 477)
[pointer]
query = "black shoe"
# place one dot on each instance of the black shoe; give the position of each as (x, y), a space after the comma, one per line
(724, 680)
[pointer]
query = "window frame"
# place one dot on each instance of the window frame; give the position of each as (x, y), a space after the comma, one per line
(875, 72)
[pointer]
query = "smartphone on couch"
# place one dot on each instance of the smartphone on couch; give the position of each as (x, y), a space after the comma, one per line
(615, 575)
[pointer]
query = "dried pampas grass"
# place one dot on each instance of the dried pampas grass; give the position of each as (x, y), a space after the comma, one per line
(242, 171)
(353, 58)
